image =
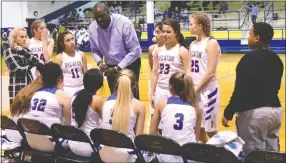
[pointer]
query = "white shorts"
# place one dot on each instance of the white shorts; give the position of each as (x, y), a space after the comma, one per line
(161, 94)
(72, 90)
(209, 101)
(80, 148)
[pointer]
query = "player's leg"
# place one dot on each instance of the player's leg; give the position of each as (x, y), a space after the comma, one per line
(213, 111)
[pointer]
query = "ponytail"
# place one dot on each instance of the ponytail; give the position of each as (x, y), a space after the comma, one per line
(121, 113)
(188, 93)
(80, 106)
(182, 85)
(21, 102)
(181, 39)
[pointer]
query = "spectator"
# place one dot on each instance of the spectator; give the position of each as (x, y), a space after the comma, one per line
(81, 14)
(255, 96)
(254, 13)
(223, 6)
(120, 48)
(138, 30)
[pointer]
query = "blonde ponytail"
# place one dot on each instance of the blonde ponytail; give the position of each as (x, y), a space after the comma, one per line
(122, 108)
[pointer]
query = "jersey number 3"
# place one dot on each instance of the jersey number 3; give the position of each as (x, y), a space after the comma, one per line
(179, 122)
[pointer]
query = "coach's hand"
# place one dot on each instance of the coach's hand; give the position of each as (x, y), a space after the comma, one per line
(111, 71)
(224, 122)
(103, 67)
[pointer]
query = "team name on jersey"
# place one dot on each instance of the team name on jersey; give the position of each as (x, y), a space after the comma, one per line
(166, 58)
(196, 54)
(71, 64)
(36, 49)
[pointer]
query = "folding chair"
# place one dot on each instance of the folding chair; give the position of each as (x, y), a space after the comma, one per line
(158, 144)
(38, 128)
(208, 153)
(74, 134)
(265, 157)
(8, 123)
(114, 139)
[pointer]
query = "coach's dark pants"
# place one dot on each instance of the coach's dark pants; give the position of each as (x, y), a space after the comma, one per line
(135, 67)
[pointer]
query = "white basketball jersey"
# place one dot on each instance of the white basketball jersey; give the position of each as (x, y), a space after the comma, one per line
(36, 47)
(199, 61)
(45, 106)
(169, 62)
(107, 114)
(92, 119)
(178, 120)
(72, 68)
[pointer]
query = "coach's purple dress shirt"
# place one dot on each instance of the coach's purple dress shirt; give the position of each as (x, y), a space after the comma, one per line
(118, 44)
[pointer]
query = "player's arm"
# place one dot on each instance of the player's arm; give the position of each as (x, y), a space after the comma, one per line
(213, 51)
(65, 102)
(59, 59)
(185, 58)
(84, 61)
(157, 117)
(150, 57)
(48, 45)
(141, 112)
(154, 77)
(198, 123)
(97, 105)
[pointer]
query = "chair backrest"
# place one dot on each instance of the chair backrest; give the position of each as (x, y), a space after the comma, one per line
(111, 138)
(265, 157)
(33, 127)
(158, 144)
(70, 133)
(207, 153)
(8, 123)
(114, 139)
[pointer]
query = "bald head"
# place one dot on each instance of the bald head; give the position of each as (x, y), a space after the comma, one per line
(101, 15)
(100, 7)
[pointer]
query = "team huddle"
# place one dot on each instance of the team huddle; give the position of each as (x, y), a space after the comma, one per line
(184, 94)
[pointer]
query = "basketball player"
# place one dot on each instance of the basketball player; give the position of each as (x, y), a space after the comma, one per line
(160, 42)
(72, 62)
(87, 107)
(50, 104)
(122, 112)
(168, 60)
(40, 44)
(179, 115)
(21, 106)
(205, 53)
